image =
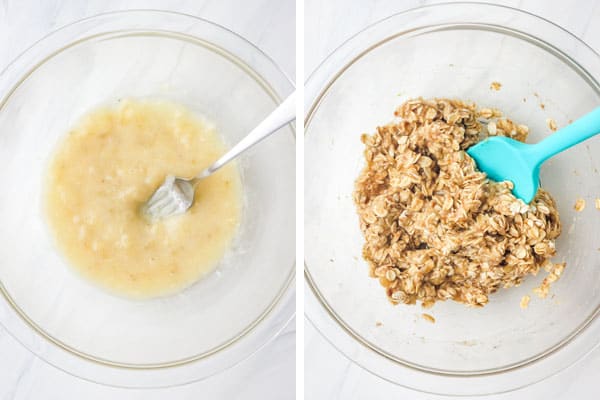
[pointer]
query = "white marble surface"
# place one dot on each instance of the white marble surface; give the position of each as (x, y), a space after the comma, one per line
(270, 374)
(328, 374)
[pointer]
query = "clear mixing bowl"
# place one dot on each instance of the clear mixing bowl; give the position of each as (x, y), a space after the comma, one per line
(224, 317)
(452, 50)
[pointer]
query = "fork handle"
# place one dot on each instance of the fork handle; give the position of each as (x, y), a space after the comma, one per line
(281, 116)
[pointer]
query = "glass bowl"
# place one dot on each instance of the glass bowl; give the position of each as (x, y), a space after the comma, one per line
(218, 321)
(456, 51)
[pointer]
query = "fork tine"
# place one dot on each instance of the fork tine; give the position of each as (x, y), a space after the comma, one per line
(158, 196)
(169, 209)
(157, 205)
(173, 197)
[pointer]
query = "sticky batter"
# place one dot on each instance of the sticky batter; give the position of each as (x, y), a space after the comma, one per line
(107, 167)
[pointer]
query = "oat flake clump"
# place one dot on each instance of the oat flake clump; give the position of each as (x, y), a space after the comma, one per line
(435, 227)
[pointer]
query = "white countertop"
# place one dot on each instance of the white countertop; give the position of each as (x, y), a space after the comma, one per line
(328, 374)
(270, 374)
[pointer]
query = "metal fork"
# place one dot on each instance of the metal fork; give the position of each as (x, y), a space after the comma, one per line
(176, 195)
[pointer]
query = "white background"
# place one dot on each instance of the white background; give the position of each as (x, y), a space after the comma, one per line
(330, 376)
(270, 374)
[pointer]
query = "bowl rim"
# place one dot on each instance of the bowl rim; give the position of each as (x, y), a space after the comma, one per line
(322, 315)
(260, 332)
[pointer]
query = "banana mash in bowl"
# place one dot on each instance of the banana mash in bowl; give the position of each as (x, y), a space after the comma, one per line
(92, 119)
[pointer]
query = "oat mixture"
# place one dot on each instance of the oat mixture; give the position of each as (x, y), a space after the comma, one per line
(495, 86)
(525, 302)
(579, 205)
(435, 227)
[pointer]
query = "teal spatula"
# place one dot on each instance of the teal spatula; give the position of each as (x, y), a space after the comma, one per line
(504, 159)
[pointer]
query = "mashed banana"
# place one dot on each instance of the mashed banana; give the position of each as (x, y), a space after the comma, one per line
(107, 167)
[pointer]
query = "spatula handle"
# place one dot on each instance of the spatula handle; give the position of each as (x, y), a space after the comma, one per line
(576, 132)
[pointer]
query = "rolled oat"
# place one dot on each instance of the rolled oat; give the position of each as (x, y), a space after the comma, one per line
(435, 227)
